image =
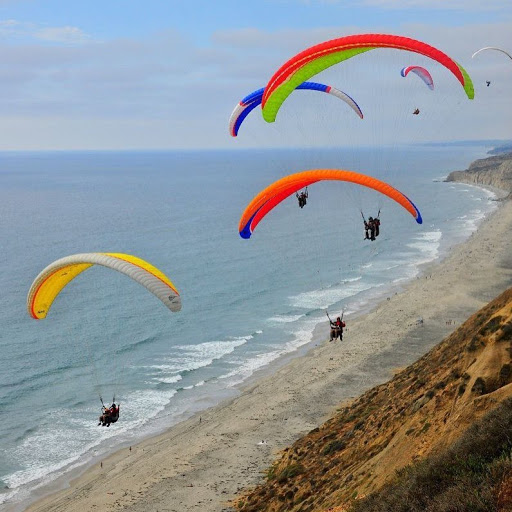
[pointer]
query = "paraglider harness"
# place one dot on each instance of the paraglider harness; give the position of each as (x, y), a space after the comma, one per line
(109, 414)
(334, 326)
(373, 227)
(302, 197)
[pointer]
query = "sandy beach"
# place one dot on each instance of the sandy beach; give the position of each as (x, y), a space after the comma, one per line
(203, 462)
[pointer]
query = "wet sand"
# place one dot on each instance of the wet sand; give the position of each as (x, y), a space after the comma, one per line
(201, 463)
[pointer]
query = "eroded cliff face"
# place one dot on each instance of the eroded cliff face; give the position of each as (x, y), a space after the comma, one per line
(424, 409)
(495, 171)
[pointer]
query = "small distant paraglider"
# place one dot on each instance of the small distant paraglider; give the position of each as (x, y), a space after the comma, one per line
(488, 82)
(421, 72)
(491, 48)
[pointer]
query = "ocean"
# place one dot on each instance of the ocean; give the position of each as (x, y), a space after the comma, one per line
(246, 303)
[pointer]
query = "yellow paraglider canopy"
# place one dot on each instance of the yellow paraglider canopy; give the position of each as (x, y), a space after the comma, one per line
(50, 282)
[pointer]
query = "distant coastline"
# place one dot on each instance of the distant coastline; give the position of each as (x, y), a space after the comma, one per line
(495, 171)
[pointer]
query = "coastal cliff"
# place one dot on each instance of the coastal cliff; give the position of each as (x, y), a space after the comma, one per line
(352, 460)
(495, 171)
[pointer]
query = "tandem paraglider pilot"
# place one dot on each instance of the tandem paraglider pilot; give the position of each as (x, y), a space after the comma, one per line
(337, 329)
(109, 415)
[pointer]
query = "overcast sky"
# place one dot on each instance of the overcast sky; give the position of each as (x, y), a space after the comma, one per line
(165, 74)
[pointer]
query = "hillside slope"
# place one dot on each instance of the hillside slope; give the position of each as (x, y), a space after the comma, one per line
(473, 474)
(495, 171)
(422, 410)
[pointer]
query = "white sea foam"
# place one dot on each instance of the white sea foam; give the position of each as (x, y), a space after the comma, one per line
(323, 298)
(193, 357)
(284, 319)
(50, 451)
(352, 279)
(427, 244)
(249, 366)
(471, 222)
(168, 380)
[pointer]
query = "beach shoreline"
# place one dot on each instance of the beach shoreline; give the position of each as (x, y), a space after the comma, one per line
(288, 398)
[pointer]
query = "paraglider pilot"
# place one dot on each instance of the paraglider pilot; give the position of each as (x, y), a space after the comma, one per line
(416, 112)
(302, 197)
(372, 227)
(371, 224)
(376, 223)
(366, 230)
(109, 415)
(337, 329)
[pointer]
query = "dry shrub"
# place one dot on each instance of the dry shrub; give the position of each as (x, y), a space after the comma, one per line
(466, 476)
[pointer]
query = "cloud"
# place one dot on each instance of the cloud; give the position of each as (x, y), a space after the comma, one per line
(69, 35)
(10, 28)
(168, 91)
(473, 5)
(17, 31)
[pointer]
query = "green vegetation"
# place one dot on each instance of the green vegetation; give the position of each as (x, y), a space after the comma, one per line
(334, 446)
(290, 471)
(479, 386)
(506, 333)
(466, 476)
(491, 326)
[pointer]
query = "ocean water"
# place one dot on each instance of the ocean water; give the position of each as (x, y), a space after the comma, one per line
(246, 303)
